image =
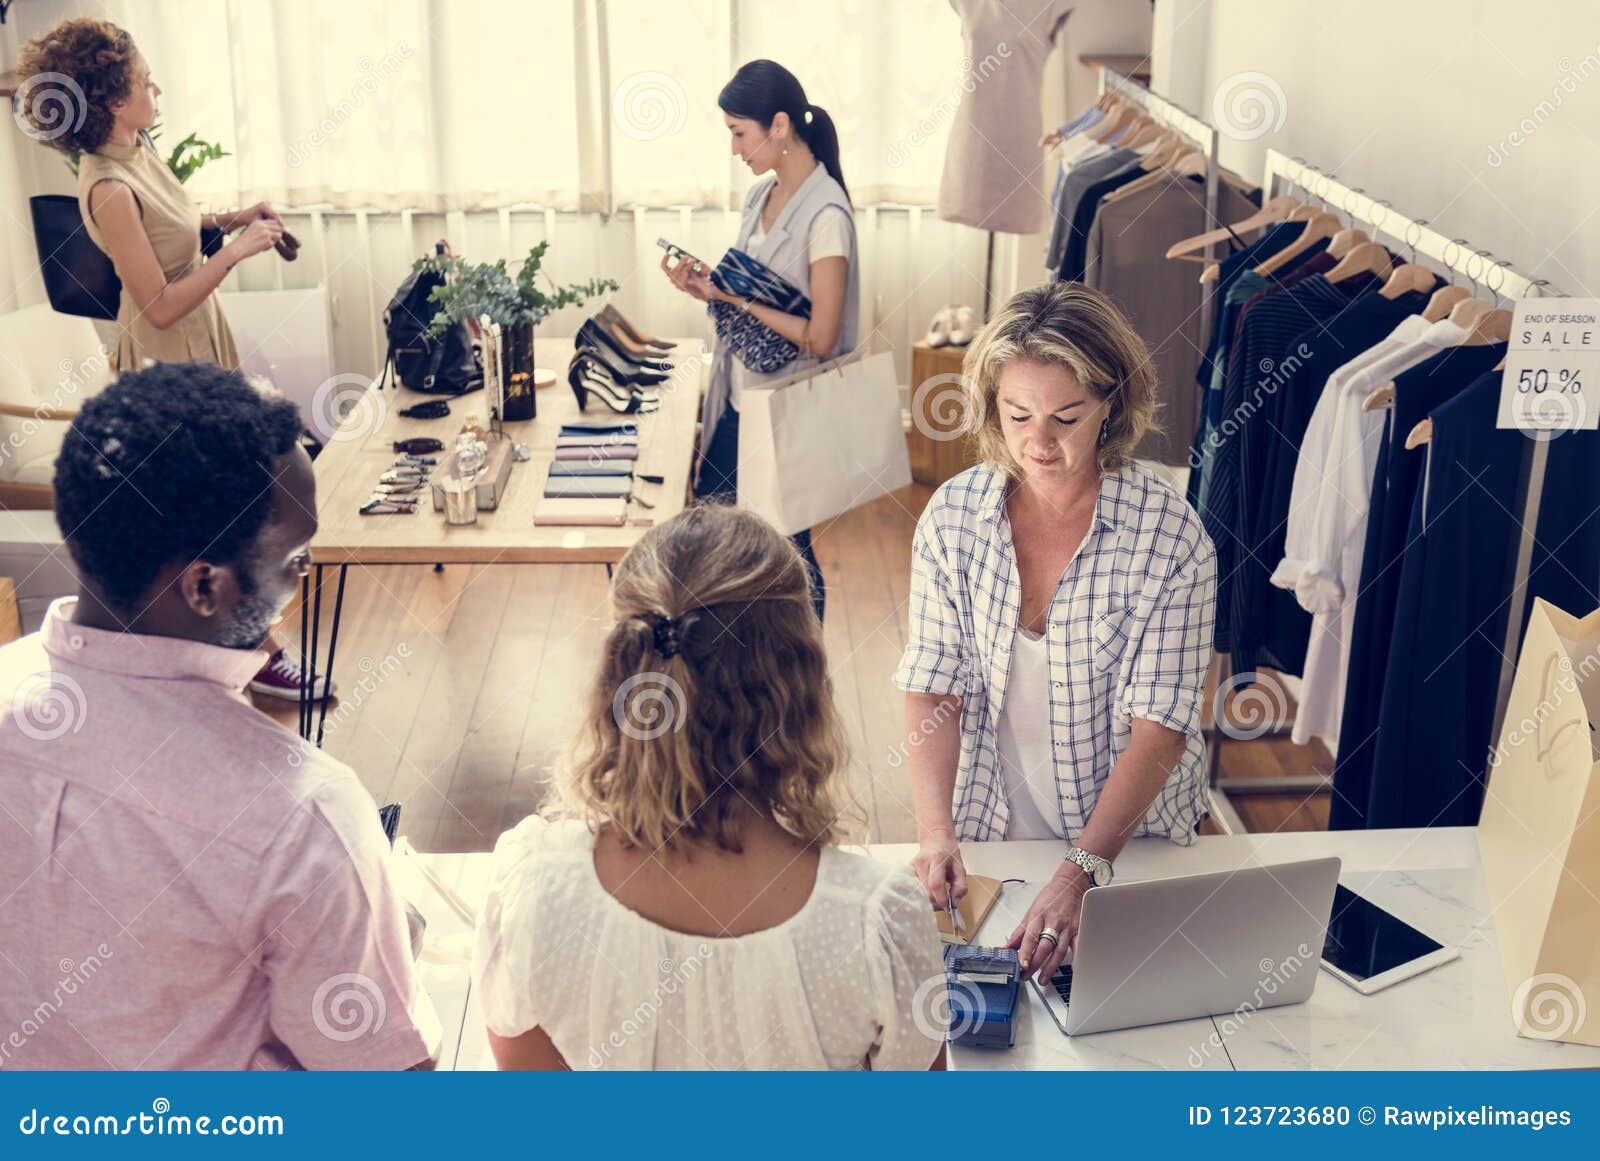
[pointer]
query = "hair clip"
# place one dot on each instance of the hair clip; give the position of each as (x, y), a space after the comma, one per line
(415, 462)
(404, 476)
(397, 489)
(668, 633)
(379, 506)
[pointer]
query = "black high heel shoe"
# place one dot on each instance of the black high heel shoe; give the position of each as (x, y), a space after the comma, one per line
(620, 372)
(588, 379)
(595, 337)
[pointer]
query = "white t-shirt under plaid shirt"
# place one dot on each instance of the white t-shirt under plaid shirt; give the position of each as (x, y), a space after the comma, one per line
(1129, 634)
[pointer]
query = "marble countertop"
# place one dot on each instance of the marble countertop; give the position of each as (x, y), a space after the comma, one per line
(1457, 1015)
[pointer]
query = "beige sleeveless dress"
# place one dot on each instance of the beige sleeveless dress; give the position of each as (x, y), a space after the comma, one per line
(173, 223)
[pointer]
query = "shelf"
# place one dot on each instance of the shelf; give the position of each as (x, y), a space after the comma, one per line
(1135, 66)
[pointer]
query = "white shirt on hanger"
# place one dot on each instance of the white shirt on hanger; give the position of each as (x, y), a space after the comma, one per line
(1027, 753)
(1314, 470)
(1327, 588)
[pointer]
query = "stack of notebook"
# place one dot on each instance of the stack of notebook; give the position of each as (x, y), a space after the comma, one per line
(597, 442)
(591, 477)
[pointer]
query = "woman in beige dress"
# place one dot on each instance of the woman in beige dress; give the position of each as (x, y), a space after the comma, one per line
(86, 87)
(95, 94)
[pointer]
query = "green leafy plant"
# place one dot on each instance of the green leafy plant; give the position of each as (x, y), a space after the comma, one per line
(473, 289)
(184, 161)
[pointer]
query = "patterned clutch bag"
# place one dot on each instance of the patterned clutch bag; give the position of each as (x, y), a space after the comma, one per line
(755, 344)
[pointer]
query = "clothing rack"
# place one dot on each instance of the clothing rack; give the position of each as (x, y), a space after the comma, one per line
(1170, 115)
(1285, 174)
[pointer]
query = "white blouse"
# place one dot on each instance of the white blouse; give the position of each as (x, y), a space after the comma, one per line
(854, 979)
(1027, 757)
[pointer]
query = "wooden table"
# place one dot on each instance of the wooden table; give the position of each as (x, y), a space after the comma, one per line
(1456, 1016)
(363, 448)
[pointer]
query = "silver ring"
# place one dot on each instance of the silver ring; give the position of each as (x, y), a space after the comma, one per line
(1052, 935)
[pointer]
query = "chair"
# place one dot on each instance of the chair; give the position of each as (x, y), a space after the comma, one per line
(49, 364)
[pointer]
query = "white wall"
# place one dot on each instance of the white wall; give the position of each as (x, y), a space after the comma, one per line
(1483, 118)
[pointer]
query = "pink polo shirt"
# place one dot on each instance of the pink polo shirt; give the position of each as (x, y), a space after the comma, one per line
(183, 883)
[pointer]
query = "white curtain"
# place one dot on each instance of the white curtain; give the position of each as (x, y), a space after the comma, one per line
(591, 105)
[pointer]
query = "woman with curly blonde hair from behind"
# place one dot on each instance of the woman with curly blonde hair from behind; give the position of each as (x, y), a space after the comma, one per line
(696, 912)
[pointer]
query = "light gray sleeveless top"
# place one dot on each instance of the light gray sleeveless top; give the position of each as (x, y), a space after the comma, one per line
(786, 250)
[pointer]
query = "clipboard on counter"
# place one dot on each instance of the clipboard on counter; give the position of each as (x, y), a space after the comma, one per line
(982, 894)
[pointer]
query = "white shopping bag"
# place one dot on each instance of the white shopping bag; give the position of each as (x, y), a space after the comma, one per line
(821, 442)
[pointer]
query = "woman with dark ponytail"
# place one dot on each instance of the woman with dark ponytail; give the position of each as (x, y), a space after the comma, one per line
(799, 222)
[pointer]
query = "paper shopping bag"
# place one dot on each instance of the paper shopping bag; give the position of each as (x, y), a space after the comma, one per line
(1539, 833)
(821, 442)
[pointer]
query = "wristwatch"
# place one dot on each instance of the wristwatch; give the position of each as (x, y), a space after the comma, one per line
(1099, 869)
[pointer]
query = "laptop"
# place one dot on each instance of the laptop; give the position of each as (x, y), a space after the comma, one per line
(1196, 945)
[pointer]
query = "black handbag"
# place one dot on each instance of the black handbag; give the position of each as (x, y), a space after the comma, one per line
(78, 277)
(435, 364)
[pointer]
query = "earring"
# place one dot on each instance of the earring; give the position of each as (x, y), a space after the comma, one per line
(1103, 431)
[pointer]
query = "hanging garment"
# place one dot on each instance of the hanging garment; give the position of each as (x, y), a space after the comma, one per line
(1395, 479)
(993, 166)
(1242, 284)
(1253, 368)
(1075, 251)
(1327, 585)
(1127, 260)
(1074, 141)
(1278, 236)
(1353, 337)
(1436, 719)
(1075, 178)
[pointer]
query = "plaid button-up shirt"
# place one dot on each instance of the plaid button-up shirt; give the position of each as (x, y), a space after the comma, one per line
(1129, 636)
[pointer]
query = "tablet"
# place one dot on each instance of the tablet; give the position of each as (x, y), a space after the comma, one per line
(1370, 949)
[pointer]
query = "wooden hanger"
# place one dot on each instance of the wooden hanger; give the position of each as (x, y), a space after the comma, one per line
(1169, 149)
(1191, 163)
(1468, 311)
(1274, 211)
(1380, 399)
(1345, 241)
(1406, 278)
(1420, 435)
(1114, 123)
(1493, 326)
(1443, 299)
(1305, 213)
(1319, 226)
(1146, 133)
(1365, 258)
(1242, 184)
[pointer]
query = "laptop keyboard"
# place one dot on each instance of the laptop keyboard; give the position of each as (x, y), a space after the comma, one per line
(1062, 982)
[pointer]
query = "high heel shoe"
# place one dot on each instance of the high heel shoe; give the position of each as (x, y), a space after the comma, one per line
(620, 370)
(596, 337)
(638, 352)
(588, 380)
(620, 321)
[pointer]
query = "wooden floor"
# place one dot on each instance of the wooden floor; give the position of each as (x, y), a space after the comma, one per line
(459, 689)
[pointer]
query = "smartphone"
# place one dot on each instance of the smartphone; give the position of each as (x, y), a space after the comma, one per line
(676, 252)
(1370, 949)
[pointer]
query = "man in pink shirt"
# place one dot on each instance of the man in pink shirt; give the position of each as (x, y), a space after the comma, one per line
(183, 883)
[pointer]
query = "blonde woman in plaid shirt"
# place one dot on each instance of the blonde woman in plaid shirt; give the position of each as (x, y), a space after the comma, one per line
(1062, 605)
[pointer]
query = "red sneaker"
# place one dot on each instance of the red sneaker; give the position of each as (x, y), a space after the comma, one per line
(280, 677)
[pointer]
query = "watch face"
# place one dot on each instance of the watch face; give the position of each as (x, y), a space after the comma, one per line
(1102, 873)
